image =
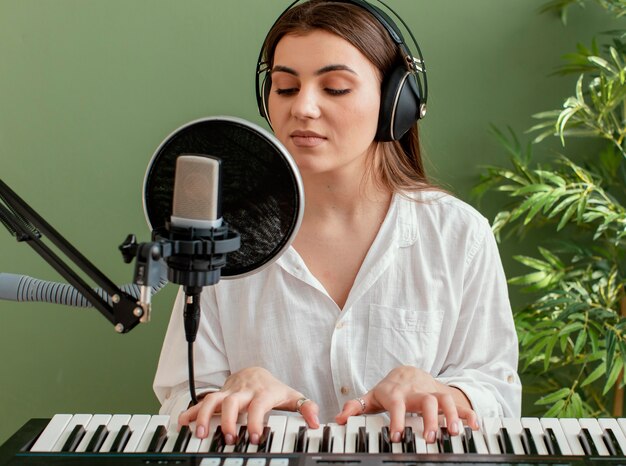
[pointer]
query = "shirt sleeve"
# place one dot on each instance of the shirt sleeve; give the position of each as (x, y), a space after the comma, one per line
(171, 382)
(482, 360)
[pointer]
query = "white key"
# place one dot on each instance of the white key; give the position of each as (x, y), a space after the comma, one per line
(153, 424)
(138, 424)
(113, 426)
(96, 421)
(231, 448)
(491, 429)
(596, 434)
(374, 425)
(352, 430)
(256, 462)
(205, 443)
(571, 429)
(610, 423)
(457, 440)
(233, 461)
(514, 428)
(52, 432)
(314, 439)
(277, 424)
(417, 425)
(172, 436)
(338, 434)
(479, 442)
(555, 425)
(536, 430)
(291, 432)
(77, 419)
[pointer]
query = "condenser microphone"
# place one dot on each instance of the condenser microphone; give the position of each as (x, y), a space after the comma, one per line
(197, 192)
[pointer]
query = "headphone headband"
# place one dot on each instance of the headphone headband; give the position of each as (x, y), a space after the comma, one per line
(411, 86)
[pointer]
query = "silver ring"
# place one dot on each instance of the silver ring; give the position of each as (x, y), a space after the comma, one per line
(362, 403)
(300, 402)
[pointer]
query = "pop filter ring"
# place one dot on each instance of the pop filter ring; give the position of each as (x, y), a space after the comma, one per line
(260, 183)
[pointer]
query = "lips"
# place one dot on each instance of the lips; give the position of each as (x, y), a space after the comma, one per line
(306, 138)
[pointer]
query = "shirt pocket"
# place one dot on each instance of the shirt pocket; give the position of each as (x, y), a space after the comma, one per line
(398, 337)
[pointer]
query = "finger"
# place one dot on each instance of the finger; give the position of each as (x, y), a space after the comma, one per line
(448, 407)
(310, 413)
(351, 408)
(257, 409)
(188, 416)
(430, 414)
(470, 417)
(397, 414)
(206, 409)
(231, 407)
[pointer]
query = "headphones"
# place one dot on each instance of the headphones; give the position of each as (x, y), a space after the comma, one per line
(404, 90)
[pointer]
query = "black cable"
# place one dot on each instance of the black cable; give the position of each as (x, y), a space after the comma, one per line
(192, 384)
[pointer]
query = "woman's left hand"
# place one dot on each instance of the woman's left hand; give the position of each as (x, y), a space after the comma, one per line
(409, 389)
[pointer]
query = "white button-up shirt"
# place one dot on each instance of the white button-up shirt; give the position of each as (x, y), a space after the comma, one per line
(430, 293)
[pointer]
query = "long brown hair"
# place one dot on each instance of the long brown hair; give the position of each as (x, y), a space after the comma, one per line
(396, 165)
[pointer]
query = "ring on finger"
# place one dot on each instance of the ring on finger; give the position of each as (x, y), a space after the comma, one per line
(361, 401)
(300, 402)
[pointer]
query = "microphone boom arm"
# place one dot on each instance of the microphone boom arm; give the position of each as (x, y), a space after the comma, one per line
(123, 310)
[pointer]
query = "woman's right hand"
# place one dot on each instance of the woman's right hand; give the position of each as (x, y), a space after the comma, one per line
(253, 391)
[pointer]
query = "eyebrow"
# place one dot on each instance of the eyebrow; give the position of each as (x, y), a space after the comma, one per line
(325, 69)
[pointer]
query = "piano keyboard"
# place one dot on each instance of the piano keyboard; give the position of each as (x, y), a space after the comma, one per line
(286, 441)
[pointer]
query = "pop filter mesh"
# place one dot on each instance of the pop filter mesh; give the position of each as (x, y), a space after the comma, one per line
(262, 195)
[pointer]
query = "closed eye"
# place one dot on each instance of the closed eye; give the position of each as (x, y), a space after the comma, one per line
(337, 91)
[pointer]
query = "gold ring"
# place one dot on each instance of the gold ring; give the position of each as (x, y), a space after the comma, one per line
(362, 403)
(300, 402)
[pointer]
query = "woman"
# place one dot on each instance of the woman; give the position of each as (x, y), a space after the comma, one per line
(392, 296)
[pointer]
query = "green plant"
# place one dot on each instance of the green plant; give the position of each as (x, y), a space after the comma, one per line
(573, 332)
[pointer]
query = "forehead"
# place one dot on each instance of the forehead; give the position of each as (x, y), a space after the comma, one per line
(316, 49)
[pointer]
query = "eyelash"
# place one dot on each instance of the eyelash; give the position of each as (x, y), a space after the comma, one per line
(334, 92)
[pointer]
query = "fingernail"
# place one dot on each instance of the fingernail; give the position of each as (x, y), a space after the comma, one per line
(229, 439)
(453, 429)
(200, 431)
(395, 437)
(430, 437)
(254, 439)
(316, 420)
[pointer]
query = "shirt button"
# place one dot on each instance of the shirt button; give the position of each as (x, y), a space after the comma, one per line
(339, 325)
(510, 379)
(345, 390)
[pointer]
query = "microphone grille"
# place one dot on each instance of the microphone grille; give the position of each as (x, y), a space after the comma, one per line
(196, 188)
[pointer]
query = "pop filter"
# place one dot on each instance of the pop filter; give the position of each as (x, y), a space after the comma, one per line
(262, 193)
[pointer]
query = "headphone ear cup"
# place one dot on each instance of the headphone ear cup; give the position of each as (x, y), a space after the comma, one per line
(399, 105)
(266, 87)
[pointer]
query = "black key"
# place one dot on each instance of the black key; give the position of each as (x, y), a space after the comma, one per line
(158, 439)
(182, 440)
(529, 442)
(384, 444)
(121, 439)
(445, 443)
(468, 441)
(408, 440)
(218, 441)
(586, 441)
(505, 441)
(98, 438)
(326, 440)
(611, 442)
(362, 445)
(300, 446)
(265, 440)
(77, 434)
(551, 442)
(242, 440)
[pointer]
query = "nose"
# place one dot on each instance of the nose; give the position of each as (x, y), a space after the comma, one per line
(306, 103)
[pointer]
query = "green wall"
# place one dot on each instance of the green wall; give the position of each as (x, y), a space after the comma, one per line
(88, 89)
